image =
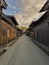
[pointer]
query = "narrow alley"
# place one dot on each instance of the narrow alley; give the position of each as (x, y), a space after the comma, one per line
(24, 52)
(24, 32)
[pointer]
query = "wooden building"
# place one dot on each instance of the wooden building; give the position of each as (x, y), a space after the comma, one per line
(3, 4)
(8, 30)
(41, 27)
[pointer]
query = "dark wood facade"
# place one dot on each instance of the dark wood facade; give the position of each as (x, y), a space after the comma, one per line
(12, 19)
(41, 27)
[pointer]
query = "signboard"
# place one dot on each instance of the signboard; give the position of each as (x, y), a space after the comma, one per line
(8, 33)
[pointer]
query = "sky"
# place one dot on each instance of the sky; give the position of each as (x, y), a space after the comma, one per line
(10, 8)
(25, 11)
(26, 7)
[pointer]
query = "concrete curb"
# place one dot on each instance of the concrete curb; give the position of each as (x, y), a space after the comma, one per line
(12, 42)
(44, 48)
(5, 58)
(7, 46)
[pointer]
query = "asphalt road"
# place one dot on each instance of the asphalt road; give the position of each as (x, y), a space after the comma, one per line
(27, 53)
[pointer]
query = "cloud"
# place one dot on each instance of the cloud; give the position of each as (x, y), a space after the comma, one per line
(26, 10)
(29, 11)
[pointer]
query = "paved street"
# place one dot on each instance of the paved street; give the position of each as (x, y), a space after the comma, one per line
(24, 52)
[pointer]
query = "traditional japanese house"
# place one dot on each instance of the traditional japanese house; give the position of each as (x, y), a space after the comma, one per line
(8, 30)
(41, 27)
